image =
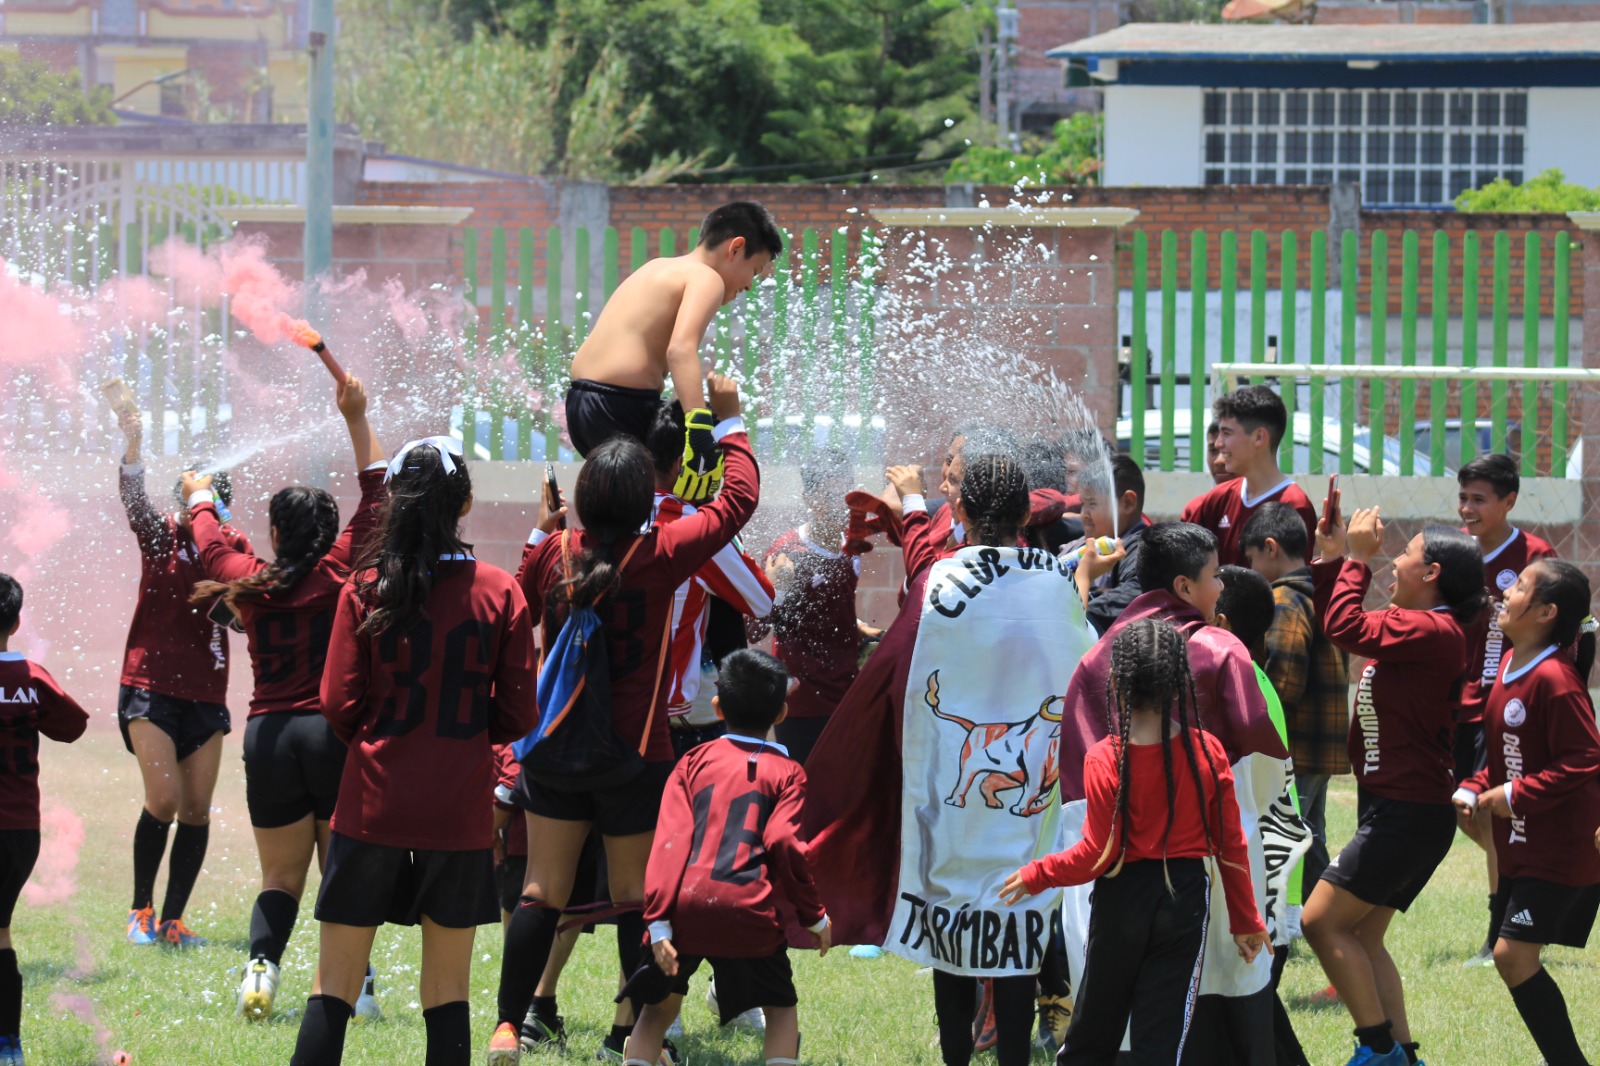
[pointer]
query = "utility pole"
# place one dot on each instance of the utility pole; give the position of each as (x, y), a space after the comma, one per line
(1006, 98)
(318, 248)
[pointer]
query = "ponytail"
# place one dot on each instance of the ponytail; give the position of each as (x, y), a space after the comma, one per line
(614, 495)
(1565, 587)
(1460, 580)
(307, 523)
(421, 522)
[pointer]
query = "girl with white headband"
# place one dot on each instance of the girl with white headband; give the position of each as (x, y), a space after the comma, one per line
(430, 663)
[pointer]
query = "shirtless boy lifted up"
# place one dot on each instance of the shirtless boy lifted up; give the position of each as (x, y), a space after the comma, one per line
(652, 327)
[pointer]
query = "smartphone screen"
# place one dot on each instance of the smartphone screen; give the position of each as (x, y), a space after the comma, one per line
(553, 490)
(221, 614)
(1333, 498)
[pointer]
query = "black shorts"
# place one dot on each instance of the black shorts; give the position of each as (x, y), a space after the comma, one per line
(509, 877)
(1469, 751)
(1396, 848)
(19, 850)
(292, 766)
(617, 812)
(190, 723)
(370, 884)
(1544, 912)
(596, 412)
(741, 983)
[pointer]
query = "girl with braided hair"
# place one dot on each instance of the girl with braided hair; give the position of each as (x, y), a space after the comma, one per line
(292, 760)
(1160, 803)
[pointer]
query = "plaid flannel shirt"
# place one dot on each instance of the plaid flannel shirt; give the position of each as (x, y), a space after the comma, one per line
(1312, 678)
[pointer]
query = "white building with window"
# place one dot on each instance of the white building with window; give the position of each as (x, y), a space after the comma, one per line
(1414, 114)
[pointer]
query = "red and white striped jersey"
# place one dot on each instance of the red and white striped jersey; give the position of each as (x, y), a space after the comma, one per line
(731, 576)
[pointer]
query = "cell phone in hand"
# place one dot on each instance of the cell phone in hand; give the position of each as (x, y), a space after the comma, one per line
(1330, 507)
(221, 614)
(552, 491)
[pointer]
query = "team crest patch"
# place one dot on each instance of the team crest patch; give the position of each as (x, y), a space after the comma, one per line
(1516, 713)
(1505, 579)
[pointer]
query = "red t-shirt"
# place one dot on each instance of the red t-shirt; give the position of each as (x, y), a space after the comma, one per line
(1225, 510)
(287, 632)
(1485, 642)
(1406, 697)
(173, 648)
(422, 711)
(814, 629)
(1147, 821)
(31, 703)
(728, 865)
(1540, 733)
(635, 616)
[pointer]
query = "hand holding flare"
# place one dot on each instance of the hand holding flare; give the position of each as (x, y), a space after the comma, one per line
(302, 333)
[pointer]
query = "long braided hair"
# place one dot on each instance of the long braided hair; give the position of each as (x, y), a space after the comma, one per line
(994, 495)
(1150, 672)
(307, 523)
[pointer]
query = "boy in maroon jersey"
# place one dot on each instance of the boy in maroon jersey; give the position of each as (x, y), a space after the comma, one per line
(1488, 492)
(816, 634)
(170, 705)
(31, 703)
(1541, 785)
(1251, 423)
(722, 885)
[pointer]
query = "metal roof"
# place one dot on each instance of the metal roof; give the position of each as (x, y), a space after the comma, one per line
(1414, 43)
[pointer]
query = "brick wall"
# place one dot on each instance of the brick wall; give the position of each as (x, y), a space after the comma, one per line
(419, 256)
(514, 204)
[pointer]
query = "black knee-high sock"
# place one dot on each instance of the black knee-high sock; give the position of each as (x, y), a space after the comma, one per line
(10, 994)
(1013, 1020)
(953, 999)
(1497, 917)
(1544, 1012)
(1379, 1038)
(271, 922)
(149, 844)
(188, 855)
(321, 1040)
(528, 938)
(449, 1034)
(630, 941)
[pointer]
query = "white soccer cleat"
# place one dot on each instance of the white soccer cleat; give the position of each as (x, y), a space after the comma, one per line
(751, 1020)
(366, 1003)
(257, 990)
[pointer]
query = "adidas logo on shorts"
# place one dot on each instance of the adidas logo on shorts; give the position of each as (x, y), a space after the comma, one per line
(1522, 917)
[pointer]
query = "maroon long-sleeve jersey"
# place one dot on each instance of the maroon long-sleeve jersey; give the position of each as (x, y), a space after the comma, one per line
(1485, 643)
(507, 770)
(1406, 696)
(173, 648)
(728, 866)
(635, 615)
(287, 632)
(1225, 509)
(422, 710)
(814, 623)
(1540, 733)
(31, 703)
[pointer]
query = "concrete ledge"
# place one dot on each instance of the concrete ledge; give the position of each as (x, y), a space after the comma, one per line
(1010, 217)
(351, 214)
(1585, 220)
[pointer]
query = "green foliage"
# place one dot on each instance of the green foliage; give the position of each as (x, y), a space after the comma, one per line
(1176, 11)
(1549, 192)
(31, 94)
(1068, 158)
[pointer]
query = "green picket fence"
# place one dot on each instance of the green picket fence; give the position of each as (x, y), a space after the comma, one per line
(800, 341)
(1403, 427)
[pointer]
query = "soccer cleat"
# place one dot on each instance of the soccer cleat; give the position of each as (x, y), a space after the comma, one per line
(750, 1021)
(669, 1054)
(1484, 957)
(1055, 1014)
(536, 1032)
(366, 1009)
(866, 951)
(10, 1051)
(984, 1030)
(142, 926)
(1365, 1056)
(1327, 997)
(257, 990)
(504, 1049)
(175, 934)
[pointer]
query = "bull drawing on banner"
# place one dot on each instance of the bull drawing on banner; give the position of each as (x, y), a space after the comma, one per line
(998, 753)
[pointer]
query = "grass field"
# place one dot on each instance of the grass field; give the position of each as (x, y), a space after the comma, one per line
(88, 992)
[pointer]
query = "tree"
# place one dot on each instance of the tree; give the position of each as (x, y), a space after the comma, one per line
(1549, 192)
(1068, 158)
(31, 94)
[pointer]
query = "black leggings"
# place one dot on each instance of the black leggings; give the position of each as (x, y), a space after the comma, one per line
(955, 1001)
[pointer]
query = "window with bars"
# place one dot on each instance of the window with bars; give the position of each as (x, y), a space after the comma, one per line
(1403, 146)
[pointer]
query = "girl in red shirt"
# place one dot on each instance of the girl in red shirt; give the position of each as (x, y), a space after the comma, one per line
(1541, 786)
(1400, 747)
(1160, 802)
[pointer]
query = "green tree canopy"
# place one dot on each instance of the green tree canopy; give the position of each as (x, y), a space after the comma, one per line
(1068, 158)
(31, 94)
(1550, 191)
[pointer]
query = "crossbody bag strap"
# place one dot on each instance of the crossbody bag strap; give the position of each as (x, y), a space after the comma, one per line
(661, 662)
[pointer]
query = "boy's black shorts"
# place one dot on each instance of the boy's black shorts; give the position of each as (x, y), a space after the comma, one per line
(1396, 848)
(292, 767)
(510, 875)
(1469, 751)
(766, 981)
(596, 412)
(370, 884)
(19, 850)
(1545, 912)
(615, 812)
(190, 723)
